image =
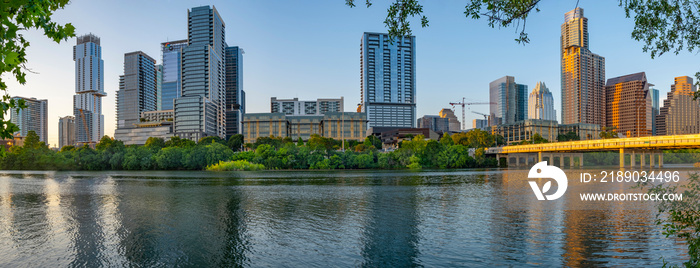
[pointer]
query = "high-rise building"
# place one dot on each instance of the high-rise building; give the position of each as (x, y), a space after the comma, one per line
(482, 124)
(508, 101)
(582, 74)
(66, 131)
(434, 123)
(454, 122)
(680, 113)
(89, 89)
(654, 109)
(159, 86)
(234, 88)
(137, 89)
(628, 105)
(388, 80)
(313, 107)
(34, 117)
(200, 111)
(171, 85)
(541, 103)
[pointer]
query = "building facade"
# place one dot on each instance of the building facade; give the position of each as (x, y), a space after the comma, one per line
(171, 85)
(582, 74)
(388, 80)
(482, 124)
(138, 91)
(524, 130)
(541, 103)
(434, 123)
(234, 90)
(629, 105)
(34, 117)
(583, 131)
(200, 110)
(680, 113)
(348, 126)
(89, 90)
(508, 101)
(450, 115)
(654, 109)
(66, 131)
(296, 107)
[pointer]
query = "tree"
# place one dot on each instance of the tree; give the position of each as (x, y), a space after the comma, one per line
(155, 144)
(662, 25)
(608, 133)
(17, 16)
(179, 142)
(300, 142)
(210, 140)
(570, 136)
(235, 142)
(374, 141)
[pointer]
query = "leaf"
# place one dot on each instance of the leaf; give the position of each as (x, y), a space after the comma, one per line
(11, 58)
(546, 186)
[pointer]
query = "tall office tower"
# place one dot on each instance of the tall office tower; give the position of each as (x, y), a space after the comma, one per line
(582, 74)
(171, 85)
(89, 90)
(454, 122)
(628, 105)
(137, 89)
(34, 117)
(680, 113)
(388, 80)
(541, 103)
(66, 131)
(159, 87)
(200, 111)
(654, 109)
(508, 101)
(234, 87)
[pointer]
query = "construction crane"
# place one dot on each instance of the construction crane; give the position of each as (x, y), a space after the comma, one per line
(464, 103)
(486, 117)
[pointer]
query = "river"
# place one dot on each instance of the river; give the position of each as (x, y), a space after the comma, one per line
(319, 219)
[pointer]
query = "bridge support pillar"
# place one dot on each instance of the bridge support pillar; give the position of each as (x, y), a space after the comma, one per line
(539, 157)
(651, 159)
(632, 159)
(661, 159)
(622, 157)
(571, 160)
(643, 162)
(551, 159)
(580, 160)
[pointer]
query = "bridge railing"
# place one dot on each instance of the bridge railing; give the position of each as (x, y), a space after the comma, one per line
(651, 142)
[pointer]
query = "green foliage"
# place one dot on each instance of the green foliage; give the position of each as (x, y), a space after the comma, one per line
(179, 142)
(235, 142)
(155, 144)
(570, 136)
(210, 140)
(373, 141)
(17, 16)
(680, 218)
(398, 14)
(239, 165)
(475, 138)
(608, 133)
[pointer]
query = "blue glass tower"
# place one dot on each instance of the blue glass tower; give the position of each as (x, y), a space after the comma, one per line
(234, 89)
(171, 85)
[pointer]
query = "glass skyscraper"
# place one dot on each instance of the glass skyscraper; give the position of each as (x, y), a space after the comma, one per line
(541, 103)
(654, 109)
(234, 89)
(171, 84)
(582, 74)
(137, 89)
(200, 111)
(34, 117)
(89, 89)
(388, 80)
(508, 101)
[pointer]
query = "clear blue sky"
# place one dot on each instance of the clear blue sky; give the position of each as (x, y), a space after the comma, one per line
(311, 49)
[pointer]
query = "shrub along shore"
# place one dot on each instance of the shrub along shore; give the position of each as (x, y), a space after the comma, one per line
(266, 153)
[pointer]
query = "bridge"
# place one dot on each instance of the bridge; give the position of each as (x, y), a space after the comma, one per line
(651, 146)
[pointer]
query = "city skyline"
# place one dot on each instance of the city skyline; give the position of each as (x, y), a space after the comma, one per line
(442, 63)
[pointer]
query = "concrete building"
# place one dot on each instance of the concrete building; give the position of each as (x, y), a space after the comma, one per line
(200, 110)
(482, 124)
(137, 89)
(388, 80)
(541, 103)
(654, 109)
(34, 117)
(89, 90)
(508, 101)
(157, 124)
(66, 131)
(680, 113)
(348, 126)
(582, 74)
(454, 122)
(298, 108)
(629, 105)
(524, 130)
(171, 85)
(434, 123)
(234, 90)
